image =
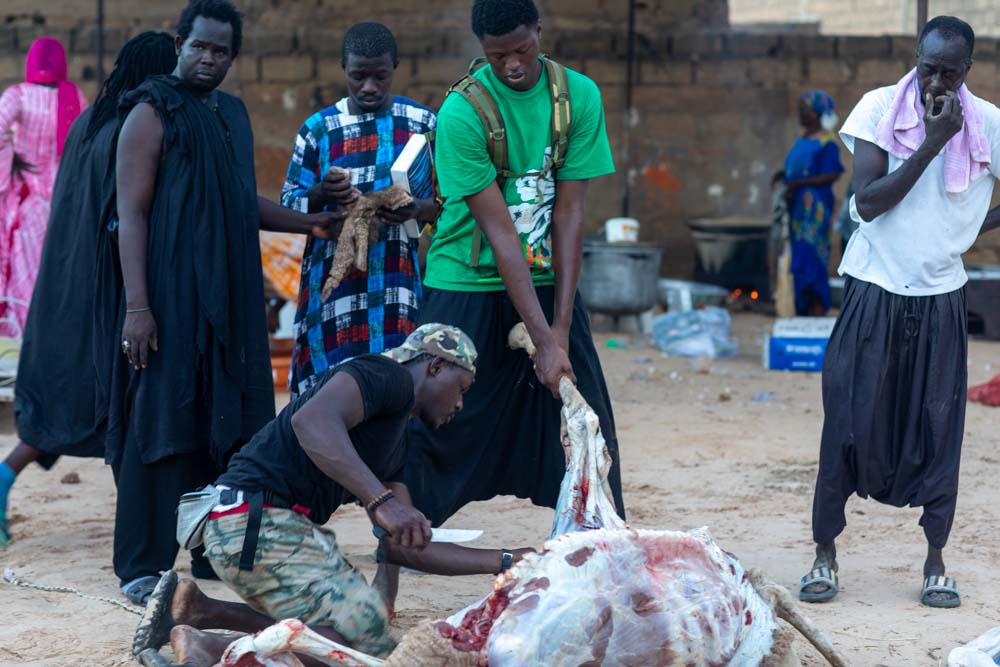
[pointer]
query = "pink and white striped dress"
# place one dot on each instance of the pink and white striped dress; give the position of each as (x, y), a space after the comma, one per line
(28, 115)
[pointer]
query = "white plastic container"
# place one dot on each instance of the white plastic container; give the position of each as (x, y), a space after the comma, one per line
(621, 230)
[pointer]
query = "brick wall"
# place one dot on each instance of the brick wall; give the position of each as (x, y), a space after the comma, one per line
(714, 109)
(843, 17)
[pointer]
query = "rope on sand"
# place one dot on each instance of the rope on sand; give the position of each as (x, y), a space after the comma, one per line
(11, 578)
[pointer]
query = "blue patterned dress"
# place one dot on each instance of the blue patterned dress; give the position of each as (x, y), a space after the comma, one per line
(810, 211)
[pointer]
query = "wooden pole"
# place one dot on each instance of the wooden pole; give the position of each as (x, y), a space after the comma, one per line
(100, 44)
(629, 78)
(921, 15)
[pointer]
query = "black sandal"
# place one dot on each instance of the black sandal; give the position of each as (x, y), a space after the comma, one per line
(154, 628)
(152, 658)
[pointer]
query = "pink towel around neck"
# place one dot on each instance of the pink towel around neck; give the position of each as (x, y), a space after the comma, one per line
(901, 132)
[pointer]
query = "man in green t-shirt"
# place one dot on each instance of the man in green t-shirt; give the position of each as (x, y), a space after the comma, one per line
(507, 440)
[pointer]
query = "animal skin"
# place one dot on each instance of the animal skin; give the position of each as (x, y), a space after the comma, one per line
(598, 593)
(361, 228)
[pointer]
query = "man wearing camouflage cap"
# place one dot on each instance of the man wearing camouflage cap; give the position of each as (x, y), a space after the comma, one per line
(341, 441)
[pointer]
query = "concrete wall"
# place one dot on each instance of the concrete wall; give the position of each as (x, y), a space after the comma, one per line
(865, 17)
(714, 109)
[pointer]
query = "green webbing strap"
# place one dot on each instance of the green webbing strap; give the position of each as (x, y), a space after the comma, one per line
(475, 92)
(561, 113)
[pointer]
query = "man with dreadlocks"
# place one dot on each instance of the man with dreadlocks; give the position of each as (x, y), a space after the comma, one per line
(54, 404)
(191, 379)
(508, 248)
(365, 132)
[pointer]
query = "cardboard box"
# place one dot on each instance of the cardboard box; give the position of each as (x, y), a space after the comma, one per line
(797, 344)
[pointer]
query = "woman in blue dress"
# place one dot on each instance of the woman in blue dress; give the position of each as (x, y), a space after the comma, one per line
(811, 168)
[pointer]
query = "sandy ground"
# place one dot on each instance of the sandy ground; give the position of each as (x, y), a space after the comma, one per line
(744, 468)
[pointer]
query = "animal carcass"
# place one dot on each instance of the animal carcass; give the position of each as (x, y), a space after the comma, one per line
(599, 592)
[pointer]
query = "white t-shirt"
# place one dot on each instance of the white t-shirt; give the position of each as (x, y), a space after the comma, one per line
(915, 248)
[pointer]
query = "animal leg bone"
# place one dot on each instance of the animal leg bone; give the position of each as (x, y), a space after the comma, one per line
(274, 647)
(780, 600)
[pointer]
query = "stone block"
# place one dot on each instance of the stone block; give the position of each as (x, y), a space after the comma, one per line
(720, 73)
(904, 47)
(12, 68)
(322, 41)
(287, 69)
(8, 38)
(881, 72)
(439, 71)
(752, 45)
(859, 48)
(809, 46)
(829, 70)
(605, 72)
(665, 73)
(85, 40)
(580, 8)
(698, 45)
(245, 69)
(268, 41)
(575, 45)
(773, 72)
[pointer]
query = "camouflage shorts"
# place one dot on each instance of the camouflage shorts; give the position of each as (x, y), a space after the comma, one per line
(300, 573)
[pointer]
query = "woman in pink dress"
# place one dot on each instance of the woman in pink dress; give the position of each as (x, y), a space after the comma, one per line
(35, 117)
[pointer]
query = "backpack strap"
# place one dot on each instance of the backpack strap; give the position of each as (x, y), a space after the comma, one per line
(561, 111)
(476, 94)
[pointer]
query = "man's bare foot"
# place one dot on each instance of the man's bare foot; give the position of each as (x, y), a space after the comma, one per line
(188, 604)
(198, 648)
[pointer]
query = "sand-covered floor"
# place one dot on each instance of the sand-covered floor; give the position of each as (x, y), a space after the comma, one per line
(697, 450)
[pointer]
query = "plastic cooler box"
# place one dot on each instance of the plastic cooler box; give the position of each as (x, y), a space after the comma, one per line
(797, 344)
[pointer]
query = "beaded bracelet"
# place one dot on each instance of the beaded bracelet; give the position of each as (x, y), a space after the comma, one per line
(379, 500)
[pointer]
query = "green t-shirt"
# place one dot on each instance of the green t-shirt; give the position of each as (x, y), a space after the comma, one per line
(464, 168)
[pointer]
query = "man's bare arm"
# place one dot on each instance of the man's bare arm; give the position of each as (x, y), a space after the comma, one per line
(991, 222)
(137, 166)
(322, 425)
(875, 189)
(441, 557)
(277, 218)
(567, 252)
(490, 211)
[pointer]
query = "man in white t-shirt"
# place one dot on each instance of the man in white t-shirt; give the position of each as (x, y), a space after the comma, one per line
(926, 152)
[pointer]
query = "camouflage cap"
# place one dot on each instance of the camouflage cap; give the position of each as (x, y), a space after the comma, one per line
(440, 340)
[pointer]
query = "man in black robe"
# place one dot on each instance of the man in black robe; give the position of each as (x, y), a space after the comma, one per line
(55, 406)
(194, 381)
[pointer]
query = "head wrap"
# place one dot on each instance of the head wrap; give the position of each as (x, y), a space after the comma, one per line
(822, 104)
(46, 65)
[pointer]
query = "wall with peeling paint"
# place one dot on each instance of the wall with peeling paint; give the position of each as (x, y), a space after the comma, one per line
(714, 109)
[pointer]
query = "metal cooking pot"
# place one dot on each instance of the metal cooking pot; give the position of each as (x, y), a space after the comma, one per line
(619, 278)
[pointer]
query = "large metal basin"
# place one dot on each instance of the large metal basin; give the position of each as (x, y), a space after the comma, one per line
(619, 278)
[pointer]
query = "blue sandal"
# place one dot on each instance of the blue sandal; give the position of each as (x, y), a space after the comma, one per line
(138, 591)
(940, 585)
(819, 576)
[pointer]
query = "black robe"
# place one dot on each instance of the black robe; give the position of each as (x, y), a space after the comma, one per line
(55, 402)
(209, 385)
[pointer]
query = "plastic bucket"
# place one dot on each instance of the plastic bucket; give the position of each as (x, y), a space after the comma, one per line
(621, 230)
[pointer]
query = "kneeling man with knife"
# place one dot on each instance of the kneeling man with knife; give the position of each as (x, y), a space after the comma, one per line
(340, 442)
